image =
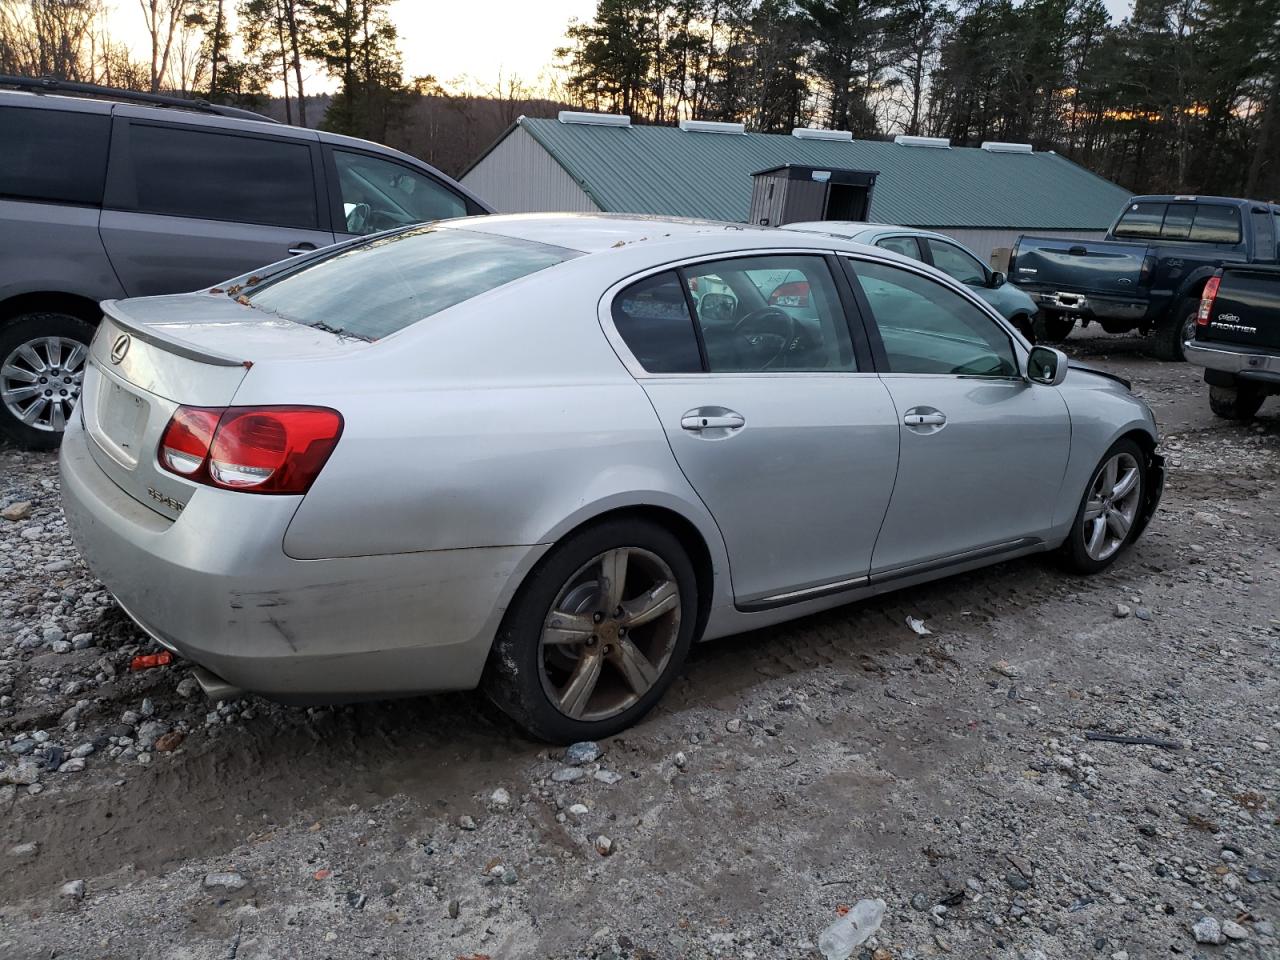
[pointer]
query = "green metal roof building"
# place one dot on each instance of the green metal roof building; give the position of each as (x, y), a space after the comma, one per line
(983, 196)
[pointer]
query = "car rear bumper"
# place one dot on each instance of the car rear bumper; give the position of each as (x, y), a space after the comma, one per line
(216, 587)
(1248, 363)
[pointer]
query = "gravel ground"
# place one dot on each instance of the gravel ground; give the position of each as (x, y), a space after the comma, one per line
(788, 774)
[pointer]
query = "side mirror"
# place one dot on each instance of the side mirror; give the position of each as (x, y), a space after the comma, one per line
(1046, 365)
(997, 280)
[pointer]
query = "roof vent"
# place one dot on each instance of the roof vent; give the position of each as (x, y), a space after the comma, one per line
(813, 133)
(711, 126)
(995, 146)
(936, 143)
(596, 119)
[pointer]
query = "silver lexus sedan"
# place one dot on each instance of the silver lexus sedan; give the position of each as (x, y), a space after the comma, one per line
(544, 454)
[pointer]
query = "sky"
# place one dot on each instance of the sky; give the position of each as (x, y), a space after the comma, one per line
(476, 39)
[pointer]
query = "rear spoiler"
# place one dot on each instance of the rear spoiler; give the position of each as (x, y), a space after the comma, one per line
(155, 337)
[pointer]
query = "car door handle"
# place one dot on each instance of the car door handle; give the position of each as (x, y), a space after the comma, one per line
(725, 421)
(925, 419)
(301, 248)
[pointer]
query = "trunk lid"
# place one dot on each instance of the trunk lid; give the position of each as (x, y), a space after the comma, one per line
(1107, 267)
(1246, 310)
(151, 356)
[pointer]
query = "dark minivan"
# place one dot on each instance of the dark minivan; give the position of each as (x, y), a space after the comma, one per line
(102, 197)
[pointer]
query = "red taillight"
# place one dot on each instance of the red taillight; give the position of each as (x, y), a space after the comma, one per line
(186, 439)
(255, 449)
(1206, 301)
(793, 294)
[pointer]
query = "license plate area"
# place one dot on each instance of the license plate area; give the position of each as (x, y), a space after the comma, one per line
(121, 422)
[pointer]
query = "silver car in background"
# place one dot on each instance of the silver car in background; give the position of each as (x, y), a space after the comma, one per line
(546, 453)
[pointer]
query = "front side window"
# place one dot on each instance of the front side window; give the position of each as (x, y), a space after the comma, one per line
(907, 246)
(386, 284)
(769, 313)
(53, 155)
(1141, 220)
(956, 263)
(182, 172)
(380, 194)
(927, 328)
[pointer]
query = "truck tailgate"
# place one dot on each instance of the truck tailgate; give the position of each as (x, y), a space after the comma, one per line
(1107, 267)
(1246, 310)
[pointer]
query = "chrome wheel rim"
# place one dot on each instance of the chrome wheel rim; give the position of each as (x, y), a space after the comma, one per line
(609, 634)
(40, 381)
(1112, 506)
(1188, 329)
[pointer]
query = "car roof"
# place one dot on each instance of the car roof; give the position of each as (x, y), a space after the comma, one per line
(596, 232)
(856, 228)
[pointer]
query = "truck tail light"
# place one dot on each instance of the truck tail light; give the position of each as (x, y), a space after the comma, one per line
(254, 449)
(1206, 301)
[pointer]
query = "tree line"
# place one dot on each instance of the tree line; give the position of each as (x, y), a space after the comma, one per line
(1182, 95)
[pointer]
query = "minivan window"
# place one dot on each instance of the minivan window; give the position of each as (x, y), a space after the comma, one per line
(380, 287)
(380, 194)
(53, 155)
(183, 172)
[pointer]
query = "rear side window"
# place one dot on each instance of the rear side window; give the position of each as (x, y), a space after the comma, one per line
(652, 317)
(1141, 220)
(53, 155)
(906, 246)
(1264, 234)
(217, 176)
(1216, 224)
(382, 286)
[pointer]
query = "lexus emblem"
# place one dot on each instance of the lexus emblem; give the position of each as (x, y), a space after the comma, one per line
(120, 347)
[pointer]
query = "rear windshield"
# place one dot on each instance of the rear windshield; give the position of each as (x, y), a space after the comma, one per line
(383, 286)
(1198, 222)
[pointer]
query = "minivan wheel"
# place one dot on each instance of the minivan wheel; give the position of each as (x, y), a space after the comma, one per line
(596, 633)
(1108, 515)
(42, 361)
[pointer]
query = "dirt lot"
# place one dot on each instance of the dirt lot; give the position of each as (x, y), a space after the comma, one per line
(788, 773)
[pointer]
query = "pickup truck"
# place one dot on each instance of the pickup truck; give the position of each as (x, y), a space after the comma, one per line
(1147, 274)
(1237, 338)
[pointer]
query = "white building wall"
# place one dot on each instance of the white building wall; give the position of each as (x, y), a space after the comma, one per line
(519, 176)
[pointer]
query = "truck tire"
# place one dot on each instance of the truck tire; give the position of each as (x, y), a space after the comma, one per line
(1052, 327)
(1173, 329)
(42, 361)
(1235, 403)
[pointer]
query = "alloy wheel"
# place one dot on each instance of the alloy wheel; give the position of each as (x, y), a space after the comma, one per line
(609, 634)
(1112, 506)
(40, 381)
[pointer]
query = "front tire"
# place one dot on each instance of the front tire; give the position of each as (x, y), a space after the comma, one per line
(1052, 327)
(1108, 517)
(1235, 403)
(596, 633)
(42, 361)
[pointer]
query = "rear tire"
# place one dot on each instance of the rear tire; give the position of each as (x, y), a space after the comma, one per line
(1174, 328)
(1052, 327)
(1235, 403)
(558, 638)
(36, 420)
(1095, 540)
